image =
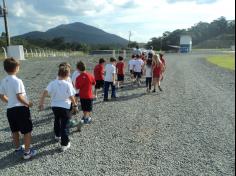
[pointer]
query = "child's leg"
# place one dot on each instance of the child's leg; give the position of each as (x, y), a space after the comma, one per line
(96, 92)
(113, 94)
(106, 90)
(154, 83)
(16, 139)
(57, 125)
(27, 141)
(65, 115)
(150, 83)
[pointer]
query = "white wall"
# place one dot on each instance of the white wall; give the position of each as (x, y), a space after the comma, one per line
(16, 51)
(185, 40)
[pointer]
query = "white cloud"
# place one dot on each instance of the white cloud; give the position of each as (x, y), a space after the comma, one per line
(146, 18)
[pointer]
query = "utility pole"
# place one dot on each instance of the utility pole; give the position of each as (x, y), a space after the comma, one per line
(4, 15)
(130, 34)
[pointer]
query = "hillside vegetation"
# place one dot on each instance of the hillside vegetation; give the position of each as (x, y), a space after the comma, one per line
(218, 34)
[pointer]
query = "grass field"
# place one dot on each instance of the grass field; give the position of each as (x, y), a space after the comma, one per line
(225, 61)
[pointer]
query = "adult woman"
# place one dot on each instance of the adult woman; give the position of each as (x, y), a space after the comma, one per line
(157, 68)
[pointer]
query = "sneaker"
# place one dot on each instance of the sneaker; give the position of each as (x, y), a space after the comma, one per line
(154, 91)
(160, 88)
(105, 100)
(88, 120)
(30, 154)
(21, 149)
(57, 138)
(64, 148)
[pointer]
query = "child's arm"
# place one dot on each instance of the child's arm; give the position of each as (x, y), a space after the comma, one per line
(75, 109)
(42, 99)
(23, 101)
(4, 98)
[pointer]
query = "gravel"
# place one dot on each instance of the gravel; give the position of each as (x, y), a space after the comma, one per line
(188, 129)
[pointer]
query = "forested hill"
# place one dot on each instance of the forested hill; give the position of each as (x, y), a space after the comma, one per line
(218, 34)
(78, 33)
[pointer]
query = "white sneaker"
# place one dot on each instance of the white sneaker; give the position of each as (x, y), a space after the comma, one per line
(57, 138)
(30, 154)
(64, 148)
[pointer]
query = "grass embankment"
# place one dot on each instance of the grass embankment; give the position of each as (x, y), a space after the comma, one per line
(225, 61)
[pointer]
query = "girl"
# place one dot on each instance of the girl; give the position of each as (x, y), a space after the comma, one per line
(148, 70)
(157, 68)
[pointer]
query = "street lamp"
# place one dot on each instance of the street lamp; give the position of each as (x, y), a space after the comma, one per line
(3, 13)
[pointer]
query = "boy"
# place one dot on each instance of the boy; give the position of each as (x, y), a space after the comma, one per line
(62, 97)
(12, 92)
(85, 83)
(110, 79)
(138, 68)
(120, 66)
(99, 76)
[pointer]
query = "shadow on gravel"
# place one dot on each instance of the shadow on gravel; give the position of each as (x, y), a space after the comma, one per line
(7, 129)
(39, 142)
(48, 119)
(129, 97)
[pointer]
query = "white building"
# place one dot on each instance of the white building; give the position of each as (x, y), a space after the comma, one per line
(185, 43)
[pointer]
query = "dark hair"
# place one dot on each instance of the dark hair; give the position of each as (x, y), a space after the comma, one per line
(150, 55)
(149, 62)
(120, 58)
(101, 61)
(112, 59)
(133, 56)
(161, 55)
(81, 66)
(10, 65)
(137, 56)
(64, 71)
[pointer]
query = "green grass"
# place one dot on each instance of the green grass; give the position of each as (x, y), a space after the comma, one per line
(225, 61)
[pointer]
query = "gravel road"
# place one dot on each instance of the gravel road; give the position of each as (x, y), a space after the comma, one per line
(188, 129)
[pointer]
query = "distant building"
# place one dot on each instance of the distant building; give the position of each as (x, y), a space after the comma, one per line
(185, 44)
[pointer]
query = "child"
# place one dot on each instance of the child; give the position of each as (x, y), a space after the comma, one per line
(69, 66)
(157, 71)
(164, 65)
(12, 92)
(62, 96)
(120, 66)
(110, 79)
(99, 76)
(148, 70)
(84, 83)
(131, 67)
(138, 68)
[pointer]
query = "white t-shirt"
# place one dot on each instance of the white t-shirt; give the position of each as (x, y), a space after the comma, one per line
(11, 86)
(138, 65)
(137, 51)
(68, 79)
(131, 64)
(74, 76)
(60, 91)
(148, 71)
(110, 70)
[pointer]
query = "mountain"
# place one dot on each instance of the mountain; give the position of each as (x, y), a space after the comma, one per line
(78, 33)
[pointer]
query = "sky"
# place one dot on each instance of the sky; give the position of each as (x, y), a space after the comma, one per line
(144, 18)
